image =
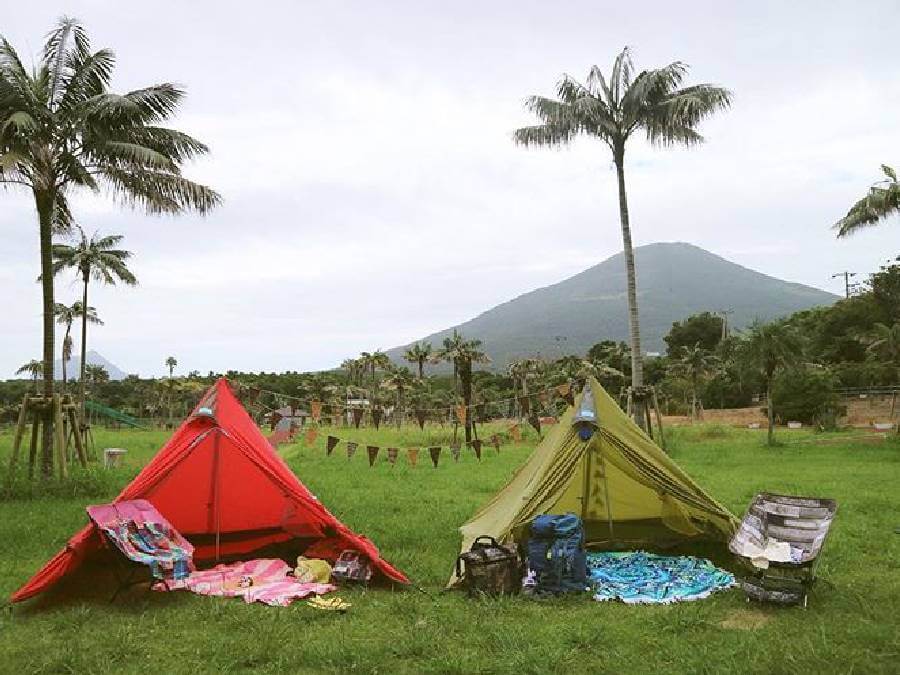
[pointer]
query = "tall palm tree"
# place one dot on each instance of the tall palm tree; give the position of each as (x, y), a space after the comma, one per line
(882, 200)
(448, 346)
(96, 258)
(380, 361)
(171, 362)
(769, 348)
(61, 129)
(399, 380)
(885, 343)
(34, 368)
(419, 353)
(652, 101)
(463, 354)
(695, 364)
(66, 315)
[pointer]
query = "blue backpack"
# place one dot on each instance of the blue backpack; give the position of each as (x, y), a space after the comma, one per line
(556, 554)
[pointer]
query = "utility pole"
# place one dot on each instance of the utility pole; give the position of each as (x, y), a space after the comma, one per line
(846, 276)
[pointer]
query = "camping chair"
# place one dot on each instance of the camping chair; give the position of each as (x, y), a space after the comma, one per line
(778, 544)
(143, 538)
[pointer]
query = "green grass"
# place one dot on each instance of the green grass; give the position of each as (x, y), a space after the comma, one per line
(413, 515)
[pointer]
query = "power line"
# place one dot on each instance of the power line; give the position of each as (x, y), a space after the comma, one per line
(846, 274)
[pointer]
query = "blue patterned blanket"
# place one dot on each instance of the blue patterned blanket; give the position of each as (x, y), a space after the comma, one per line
(638, 577)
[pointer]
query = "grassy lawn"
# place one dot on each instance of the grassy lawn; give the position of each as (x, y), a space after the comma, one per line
(413, 514)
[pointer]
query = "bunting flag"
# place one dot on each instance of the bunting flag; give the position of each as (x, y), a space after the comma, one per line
(412, 455)
(495, 441)
(476, 446)
(525, 405)
(357, 416)
(315, 409)
(274, 419)
(310, 436)
(454, 451)
(435, 455)
(516, 433)
(535, 421)
(376, 417)
(373, 453)
(420, 418)
(331, 444)
(461, 414)
(351, 448)
(392, 455)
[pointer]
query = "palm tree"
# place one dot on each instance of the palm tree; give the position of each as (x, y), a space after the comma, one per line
(418, 353)
(448, 346)
(769, 348)
(462, 354)
(379, 360)
(399, 380)
(694, 363)
(171, 362)
(882, 200)
(66, 315)
(34, 368)
(98, 259)
(652, 101)
(96, 373)
(885, 343)
(61, 129)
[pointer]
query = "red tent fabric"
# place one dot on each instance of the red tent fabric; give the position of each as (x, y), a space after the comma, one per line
(219, 483)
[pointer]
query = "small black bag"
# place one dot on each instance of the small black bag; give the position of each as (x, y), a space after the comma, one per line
(489, 568)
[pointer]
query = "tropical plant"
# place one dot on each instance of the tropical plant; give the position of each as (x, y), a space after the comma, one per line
(448, 345)
(399, 380)
(770, 348)
(694, 364)
(171, 362)
(884, 343)
(882, 200)
(652, 101)
(463, 354)
(66, 315)
(34, 368)
(96, 373)
(418, 353)
(61, 129)
(96, 258)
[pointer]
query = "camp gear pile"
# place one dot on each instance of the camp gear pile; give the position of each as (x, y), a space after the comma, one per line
(219, 483)
(556, 554)
(262, 580)
(778, 544)
(142, 535)
(351, 567)
(489, 568)
(620, 483)
(644, 578)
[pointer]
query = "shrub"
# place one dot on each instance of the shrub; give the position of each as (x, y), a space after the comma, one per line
(805, 394)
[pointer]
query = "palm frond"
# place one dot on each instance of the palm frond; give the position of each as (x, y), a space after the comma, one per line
(159, 192)
(882, 200)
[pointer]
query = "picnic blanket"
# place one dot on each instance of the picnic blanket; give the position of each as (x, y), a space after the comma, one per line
(260, 580)
(637, 577)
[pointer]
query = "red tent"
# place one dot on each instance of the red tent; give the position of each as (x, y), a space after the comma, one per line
(220, 484)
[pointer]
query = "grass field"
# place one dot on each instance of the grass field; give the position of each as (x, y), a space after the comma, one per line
(413, 514)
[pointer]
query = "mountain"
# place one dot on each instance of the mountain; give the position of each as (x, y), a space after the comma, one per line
(674, 281)
(73, 367)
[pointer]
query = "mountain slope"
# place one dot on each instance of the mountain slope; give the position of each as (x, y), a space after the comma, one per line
(94, 358)
(675, 280)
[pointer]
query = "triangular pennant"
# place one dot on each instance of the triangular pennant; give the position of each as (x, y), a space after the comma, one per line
(435, 455)
(461, 414)
(310, 436)
(315, 409)
(535, 421)
(454, 451)
(392, 455)
(412, 455)
(331, 444)
(476, 446)
(525, 405)
(373, 453)
(495, 441)
(516, 433)
(420, 418)
(351, 448)
(376, 416)
(357, 416)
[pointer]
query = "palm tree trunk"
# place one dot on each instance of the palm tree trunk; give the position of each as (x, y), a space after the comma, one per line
(421, 369)
(770, 413)
(465, 376)
(65, 380)
(44, 201)
(84, 313)
(637, 361)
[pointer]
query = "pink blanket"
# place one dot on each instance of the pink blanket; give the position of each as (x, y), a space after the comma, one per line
(261, 580)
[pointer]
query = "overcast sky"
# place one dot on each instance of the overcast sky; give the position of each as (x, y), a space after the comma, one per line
(372, 190)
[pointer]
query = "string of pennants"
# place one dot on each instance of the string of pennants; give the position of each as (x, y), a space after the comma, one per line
(412, 453)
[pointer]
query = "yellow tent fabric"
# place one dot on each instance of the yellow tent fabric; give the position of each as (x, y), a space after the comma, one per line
(624, 487)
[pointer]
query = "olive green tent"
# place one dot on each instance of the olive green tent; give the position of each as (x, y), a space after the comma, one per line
(627, 491)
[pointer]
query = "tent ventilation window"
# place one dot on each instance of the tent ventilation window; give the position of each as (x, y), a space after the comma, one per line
(585, 421)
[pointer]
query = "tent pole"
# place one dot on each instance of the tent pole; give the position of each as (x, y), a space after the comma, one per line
(608, 505)
(586, 489)
(216, 490)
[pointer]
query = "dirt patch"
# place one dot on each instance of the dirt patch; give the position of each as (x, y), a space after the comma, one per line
(745, 619)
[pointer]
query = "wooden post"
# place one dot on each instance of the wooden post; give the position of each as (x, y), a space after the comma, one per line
(60, 436)
(32, 450)
(79, 446)
(20, 431)
(659, 422)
